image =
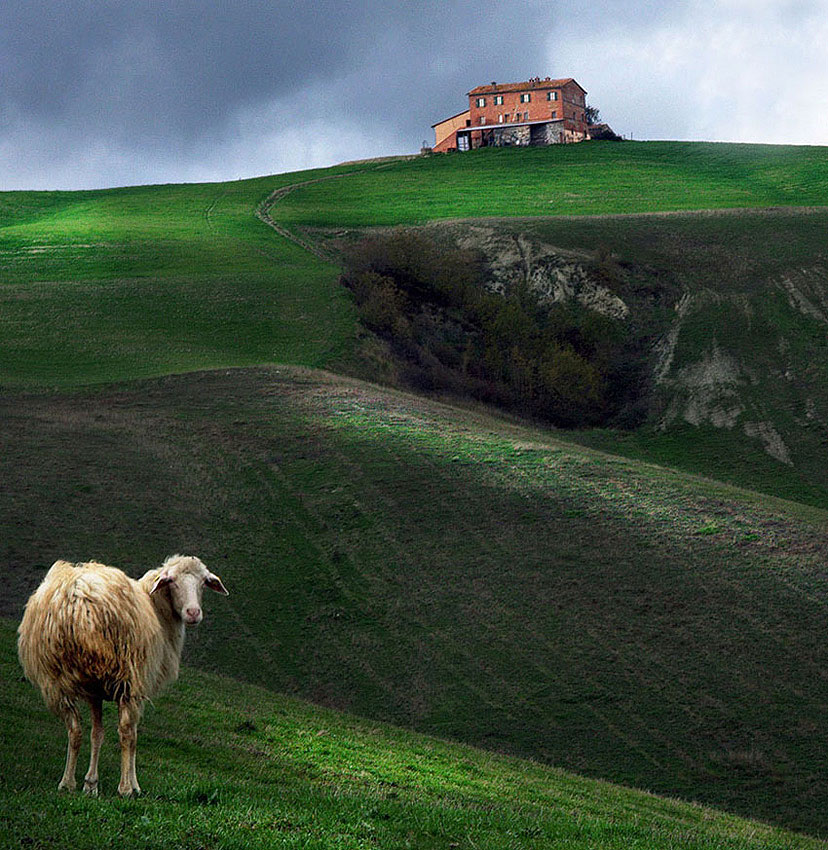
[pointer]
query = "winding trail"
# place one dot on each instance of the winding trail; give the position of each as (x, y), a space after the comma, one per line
(263, 213)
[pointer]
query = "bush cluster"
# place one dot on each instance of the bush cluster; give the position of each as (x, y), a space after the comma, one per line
(449, 332)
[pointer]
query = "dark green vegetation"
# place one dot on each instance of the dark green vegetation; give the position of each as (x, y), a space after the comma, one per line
(560, 363)
(726, 340)
(226, 765)
(452, 573)
(444, 570)
(735, 308)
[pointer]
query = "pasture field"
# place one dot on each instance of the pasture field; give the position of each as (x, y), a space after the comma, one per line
(450, 572)
(113, 284)
(127, 283)
(224, 765)
(437, 567)
(593, 179)
(109, 285)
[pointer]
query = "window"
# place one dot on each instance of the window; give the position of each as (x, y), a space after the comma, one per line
(500, 118)
(526, 97)
(551, 95)
(525, 116)
(482, 119)
(481, 101)
(498, 100)
(554, 113)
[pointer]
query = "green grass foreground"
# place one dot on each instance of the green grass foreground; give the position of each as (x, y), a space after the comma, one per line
(451, 572)
(226, 765)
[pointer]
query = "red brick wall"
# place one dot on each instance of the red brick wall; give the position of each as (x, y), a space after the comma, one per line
(569, 105)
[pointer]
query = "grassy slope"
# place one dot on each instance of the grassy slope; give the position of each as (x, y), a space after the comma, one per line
(388, 536)
(453, 573)
(225, 765)
(98, 286)
(602, 177)
(114, 284)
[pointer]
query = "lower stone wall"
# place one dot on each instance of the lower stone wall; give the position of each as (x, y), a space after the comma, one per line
(528, 134)
(505, 136)
(547, 134)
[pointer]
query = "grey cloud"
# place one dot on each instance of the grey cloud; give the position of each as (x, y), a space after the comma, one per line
(154, 79)
(188, 61)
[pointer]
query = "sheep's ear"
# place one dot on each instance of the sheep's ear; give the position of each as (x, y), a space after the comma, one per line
(160, 582)
(214, 583)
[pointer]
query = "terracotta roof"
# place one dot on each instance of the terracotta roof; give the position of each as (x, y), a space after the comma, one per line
(529, 85)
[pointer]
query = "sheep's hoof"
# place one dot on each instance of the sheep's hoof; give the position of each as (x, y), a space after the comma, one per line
(130, 793)
(90, 788)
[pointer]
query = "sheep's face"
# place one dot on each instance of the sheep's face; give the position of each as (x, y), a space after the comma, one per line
(185, 579)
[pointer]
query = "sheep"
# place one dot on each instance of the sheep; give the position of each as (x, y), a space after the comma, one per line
(91, 633)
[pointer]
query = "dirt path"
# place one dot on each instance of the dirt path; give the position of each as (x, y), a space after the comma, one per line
(263, 213)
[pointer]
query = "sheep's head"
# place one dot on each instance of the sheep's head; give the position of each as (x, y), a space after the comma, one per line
(185, 578)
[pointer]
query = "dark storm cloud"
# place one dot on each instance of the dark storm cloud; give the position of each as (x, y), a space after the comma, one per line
(146, 78)
(113, 92)
(189, 62)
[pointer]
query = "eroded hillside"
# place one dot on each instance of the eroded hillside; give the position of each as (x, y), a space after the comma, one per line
(726, 316)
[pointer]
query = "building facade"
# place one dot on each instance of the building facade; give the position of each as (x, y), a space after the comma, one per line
(536, 112)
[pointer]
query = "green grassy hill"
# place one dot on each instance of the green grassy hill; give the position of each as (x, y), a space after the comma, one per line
(123, 283)
(225, 765)
(730, 302)
(453, 573)
(593, 179)
(444, 569)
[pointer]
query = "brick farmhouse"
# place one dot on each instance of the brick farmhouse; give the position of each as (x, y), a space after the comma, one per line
(537, 112)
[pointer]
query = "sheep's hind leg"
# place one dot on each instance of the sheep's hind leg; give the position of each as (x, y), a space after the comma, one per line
(71, 717)
(90, 782)
(128, 716)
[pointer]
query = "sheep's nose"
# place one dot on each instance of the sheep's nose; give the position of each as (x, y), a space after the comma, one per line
(193, 615)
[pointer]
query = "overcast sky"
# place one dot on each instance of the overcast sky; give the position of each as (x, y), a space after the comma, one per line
(118, 92)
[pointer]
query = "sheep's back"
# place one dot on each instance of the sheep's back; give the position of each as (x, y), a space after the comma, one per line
(89, 630)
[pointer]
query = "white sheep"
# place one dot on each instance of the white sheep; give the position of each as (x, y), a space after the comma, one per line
(92, 633)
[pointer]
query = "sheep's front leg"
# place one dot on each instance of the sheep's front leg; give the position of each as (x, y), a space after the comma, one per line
(90, 782)
(71, 718)
(128, 716)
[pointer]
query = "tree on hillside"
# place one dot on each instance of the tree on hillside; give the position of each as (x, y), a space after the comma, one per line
(593, 115)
